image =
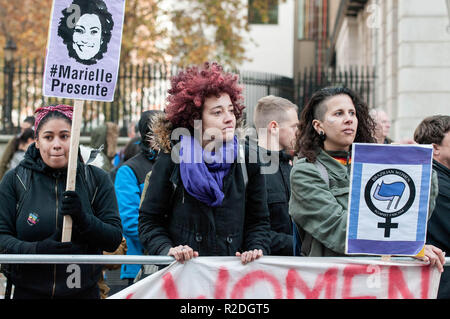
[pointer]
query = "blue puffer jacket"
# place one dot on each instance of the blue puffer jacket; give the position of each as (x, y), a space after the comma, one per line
(129, 184)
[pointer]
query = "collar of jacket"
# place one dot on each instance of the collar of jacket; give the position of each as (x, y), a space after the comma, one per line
(441, 168)
(334, 168)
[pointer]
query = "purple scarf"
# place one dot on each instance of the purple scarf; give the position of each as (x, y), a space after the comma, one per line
(202, 172)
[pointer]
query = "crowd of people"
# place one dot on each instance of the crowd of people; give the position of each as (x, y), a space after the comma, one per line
(193, 183)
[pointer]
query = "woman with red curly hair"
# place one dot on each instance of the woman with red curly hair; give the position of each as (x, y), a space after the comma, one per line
(201, 199)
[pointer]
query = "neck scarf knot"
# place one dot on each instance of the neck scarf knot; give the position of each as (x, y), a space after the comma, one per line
(202, 172)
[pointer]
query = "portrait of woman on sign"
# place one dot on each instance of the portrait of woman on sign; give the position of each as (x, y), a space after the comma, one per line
(86, 28)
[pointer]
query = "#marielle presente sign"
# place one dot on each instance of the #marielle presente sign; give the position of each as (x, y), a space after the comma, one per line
(84, 49)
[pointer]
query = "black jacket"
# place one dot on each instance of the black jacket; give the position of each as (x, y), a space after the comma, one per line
(169, 216)
(438, 231)
(278, 195)
(19, 234)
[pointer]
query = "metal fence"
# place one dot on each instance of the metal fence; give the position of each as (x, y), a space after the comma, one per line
(130, 259)
(144, 87)
(358, 78)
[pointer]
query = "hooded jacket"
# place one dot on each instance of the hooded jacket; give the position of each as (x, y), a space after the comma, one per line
(38, 217)
(169, 216)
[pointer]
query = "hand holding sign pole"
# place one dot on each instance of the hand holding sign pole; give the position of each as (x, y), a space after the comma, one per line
(82, 63)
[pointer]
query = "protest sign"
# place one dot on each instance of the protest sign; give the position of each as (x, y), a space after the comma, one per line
(273, 277)
(82, 63)
(83, 49)
(389, 199)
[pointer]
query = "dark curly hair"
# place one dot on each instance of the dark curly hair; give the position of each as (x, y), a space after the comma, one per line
(308, 142)
(97, 7)
(190, 88)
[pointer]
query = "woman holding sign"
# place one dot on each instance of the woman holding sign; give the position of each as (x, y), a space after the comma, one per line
(34, 203)
(201, 200)
(330, 123)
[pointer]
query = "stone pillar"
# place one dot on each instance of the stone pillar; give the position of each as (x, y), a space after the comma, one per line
(423, 64)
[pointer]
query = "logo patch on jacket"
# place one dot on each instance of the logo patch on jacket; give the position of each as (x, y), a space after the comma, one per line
(32, 219)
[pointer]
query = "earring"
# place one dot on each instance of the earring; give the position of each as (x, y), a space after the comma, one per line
(152, 154)
(322, 136)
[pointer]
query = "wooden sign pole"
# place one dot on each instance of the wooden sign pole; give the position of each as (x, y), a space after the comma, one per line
(72, 165)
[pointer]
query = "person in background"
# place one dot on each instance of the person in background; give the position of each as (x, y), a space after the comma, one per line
(383, 126)
(33, 206)
(22, 142)
(435, 130)
(200, 200)
(11, 147)
(131, 149)
(276, 121)
(330, 123)
(106, 136)
(133, 134)
(129, 184)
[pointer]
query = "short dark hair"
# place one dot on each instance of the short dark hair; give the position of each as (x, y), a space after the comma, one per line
(432, 129)
(308, 141)
(30, 120)
(24, 137)
(97, 7)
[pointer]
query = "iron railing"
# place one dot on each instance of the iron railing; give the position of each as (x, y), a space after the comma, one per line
(135, 259)
(144, 87)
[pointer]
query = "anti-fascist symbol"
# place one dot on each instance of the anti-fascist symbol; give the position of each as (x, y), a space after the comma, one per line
(389, 194)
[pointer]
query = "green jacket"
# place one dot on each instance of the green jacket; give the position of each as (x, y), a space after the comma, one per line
(319, 210)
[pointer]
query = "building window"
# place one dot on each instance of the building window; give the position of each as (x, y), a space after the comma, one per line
(263, 11)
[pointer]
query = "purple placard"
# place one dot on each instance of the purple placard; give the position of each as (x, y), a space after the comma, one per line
(83, 49)
(398, 154)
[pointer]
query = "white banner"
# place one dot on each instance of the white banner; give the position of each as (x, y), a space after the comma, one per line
(273, 277)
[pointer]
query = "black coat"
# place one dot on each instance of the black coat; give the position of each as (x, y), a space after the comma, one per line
(278, 195)
(438, 228)
(19, 234)
(169, 216)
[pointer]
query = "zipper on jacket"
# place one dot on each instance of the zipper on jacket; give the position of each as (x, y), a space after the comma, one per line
(183, 196)
(56, 227)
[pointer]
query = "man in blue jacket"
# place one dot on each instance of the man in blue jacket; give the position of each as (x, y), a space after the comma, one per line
(129, 184)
